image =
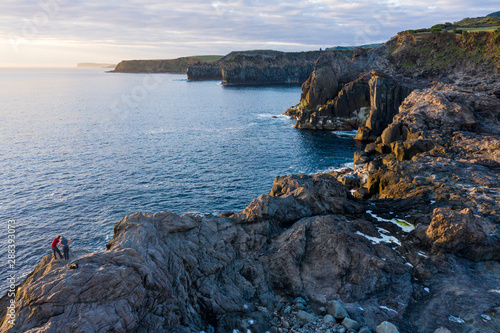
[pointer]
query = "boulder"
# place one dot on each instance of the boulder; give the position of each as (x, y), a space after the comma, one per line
(394, 132)
(387, 327)
(336, 309)
(350, 324)
(306, 317)
(464, 233)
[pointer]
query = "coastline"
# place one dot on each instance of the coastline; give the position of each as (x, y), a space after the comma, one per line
(409, 237)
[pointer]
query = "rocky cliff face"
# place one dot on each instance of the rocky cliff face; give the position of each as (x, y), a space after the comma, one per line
(204, 71)
(406, 62)
(201, 71)
(368, 102)
(282, 68)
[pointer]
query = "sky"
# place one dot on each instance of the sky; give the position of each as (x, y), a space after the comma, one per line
(62, 33)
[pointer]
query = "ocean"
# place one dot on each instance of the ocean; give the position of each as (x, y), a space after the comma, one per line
(81, 148)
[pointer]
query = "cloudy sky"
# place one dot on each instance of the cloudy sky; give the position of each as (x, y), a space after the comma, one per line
(65, 32)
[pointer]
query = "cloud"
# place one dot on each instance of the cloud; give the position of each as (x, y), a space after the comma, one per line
(175, 28)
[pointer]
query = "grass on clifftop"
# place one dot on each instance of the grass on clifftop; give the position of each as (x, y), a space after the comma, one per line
(485, 23)
(208, 58)
(435, 52)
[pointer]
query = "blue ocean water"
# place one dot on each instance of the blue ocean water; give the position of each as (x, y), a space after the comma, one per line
(81, 148)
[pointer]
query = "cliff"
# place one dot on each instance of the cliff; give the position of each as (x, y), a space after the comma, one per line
(283, 68)
(200, 71)
(257, 67)
(406, 62)
(178, 65)
(203, 71)
(417, 247)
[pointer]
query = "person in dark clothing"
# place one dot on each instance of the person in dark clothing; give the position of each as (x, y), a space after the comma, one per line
(54, 247)
(65, 244)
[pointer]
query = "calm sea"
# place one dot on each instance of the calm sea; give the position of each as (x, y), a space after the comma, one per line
(81, 148)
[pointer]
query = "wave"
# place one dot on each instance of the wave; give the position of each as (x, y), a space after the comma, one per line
(345, 133)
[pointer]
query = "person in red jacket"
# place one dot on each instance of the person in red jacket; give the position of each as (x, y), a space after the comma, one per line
(55, 248)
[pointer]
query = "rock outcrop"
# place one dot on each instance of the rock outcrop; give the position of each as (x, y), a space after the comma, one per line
(406, 62)
(368, 103)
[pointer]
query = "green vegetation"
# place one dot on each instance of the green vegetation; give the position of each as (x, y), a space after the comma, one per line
(486, 23)
(479, 29)
(208, 58)
(408, 64)
(340, 48)
(437, 52)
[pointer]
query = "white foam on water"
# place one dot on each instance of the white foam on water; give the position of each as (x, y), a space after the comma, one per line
(345, 133)
(347, 165)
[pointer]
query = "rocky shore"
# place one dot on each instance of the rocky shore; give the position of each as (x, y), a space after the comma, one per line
(406, 241)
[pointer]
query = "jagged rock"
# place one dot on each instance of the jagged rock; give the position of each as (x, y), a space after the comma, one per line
(328, 319)
(387, 327)
(393, 133)
(386, 95)
(461, 231)
(371, 100)
(297, 196)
